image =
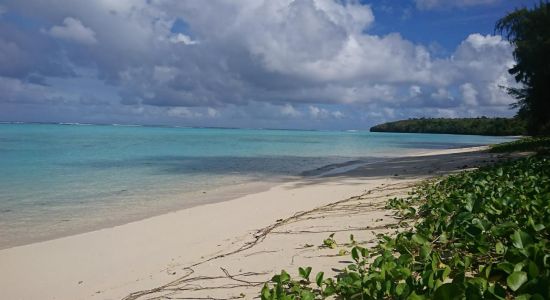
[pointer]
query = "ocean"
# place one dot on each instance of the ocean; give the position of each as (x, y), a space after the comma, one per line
(57, 180)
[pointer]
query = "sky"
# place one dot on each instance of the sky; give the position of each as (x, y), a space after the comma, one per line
(304, 64)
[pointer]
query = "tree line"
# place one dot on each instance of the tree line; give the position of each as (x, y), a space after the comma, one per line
(528, 30)
(475, 126)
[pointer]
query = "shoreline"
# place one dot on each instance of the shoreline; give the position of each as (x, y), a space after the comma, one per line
(216, 195)
(151, 252)
(197, 198)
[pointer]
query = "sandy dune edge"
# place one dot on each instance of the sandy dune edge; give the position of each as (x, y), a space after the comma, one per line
(224, 250)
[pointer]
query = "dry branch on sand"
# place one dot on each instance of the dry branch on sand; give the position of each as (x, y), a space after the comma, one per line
(371, 200)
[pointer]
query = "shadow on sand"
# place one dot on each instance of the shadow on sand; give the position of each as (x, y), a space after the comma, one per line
(412, 167)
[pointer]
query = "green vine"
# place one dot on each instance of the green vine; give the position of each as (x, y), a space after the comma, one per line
(477, 235)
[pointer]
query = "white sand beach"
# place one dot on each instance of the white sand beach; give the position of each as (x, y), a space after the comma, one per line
(228, 249)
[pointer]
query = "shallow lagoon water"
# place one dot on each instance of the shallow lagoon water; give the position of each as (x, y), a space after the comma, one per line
(57, 180)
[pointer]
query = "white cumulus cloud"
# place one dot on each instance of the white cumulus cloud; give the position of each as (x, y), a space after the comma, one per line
(258, 59)
(469, 94)
(73, 30)
(290, 111)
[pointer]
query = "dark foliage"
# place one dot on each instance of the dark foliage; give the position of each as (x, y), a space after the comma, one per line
(533, 144)
(477, 126)
(529, 32)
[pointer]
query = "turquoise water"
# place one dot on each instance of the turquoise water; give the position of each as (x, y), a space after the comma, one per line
(62, 179)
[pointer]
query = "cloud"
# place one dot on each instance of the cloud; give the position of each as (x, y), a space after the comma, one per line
(317, 112)
(483, 61)
(322, 113)
(11, 56)
(183, 112)
(433, 4)
(259, 60)
(338, 114)
(182, 38)
(441, 95)
(73, 30)
(415, 91)
(289, 110)
(17, 91)
(469, 94)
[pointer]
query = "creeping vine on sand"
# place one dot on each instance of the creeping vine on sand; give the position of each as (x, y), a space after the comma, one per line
(187, 282)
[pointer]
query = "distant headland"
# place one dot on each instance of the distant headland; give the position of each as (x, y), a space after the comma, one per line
(473, 126)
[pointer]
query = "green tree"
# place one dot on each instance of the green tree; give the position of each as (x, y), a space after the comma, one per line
(480, 126)
(528, 30)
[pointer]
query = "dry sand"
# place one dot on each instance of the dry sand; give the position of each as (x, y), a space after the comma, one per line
(225, 250)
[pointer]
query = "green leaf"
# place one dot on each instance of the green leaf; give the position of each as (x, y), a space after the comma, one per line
(400, 288)
(425, 251)
(538, 227)
(506, 267)
(304, 273)
(520, 239)
(467, 261)
(319, 278)
(497, 291)
(499, 248)
(448, 291)
(469, 205)
(329, 291)
(284, 277)
(414, 296)
(266, 292)
(533, 270)
(519, 266)
(478, 282)
(443, 238)
(364, 251)
(446, 273)
(516, 280)
(307, 295)
(419, 239)
(431, 281)
(355, 254)
(486, 272)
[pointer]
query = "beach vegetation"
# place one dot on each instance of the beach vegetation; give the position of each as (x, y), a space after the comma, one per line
(330, 242)
(528, 30)
(482, 234)
(539, 145)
